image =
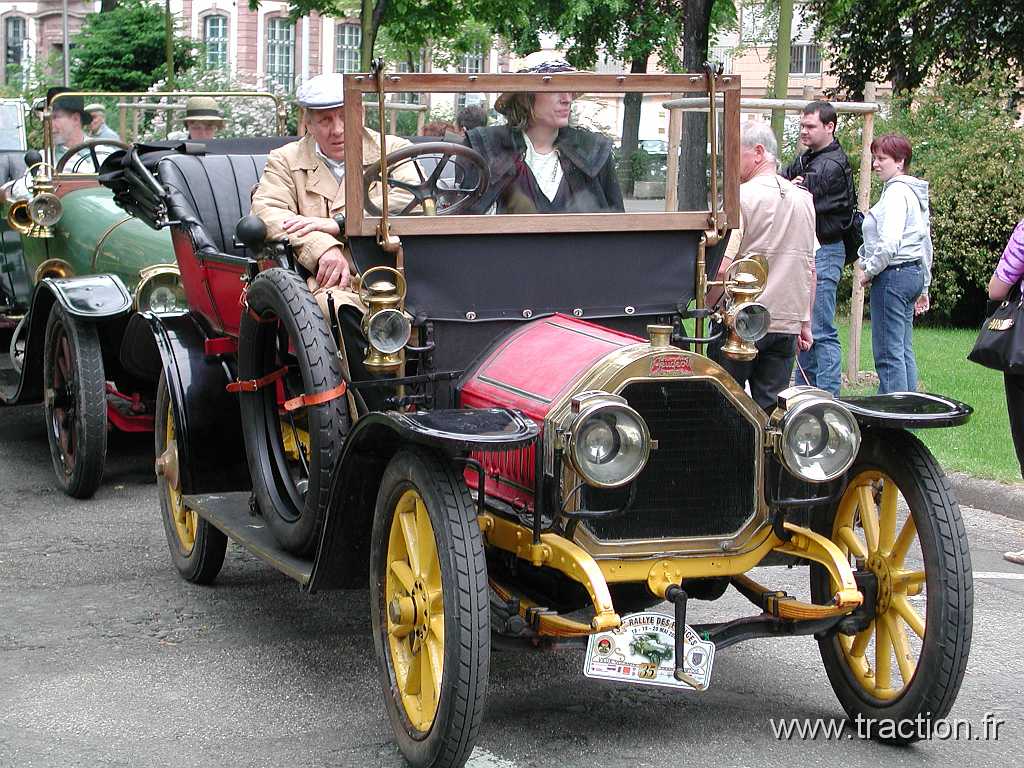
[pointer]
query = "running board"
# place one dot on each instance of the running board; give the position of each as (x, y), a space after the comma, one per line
(230, 513)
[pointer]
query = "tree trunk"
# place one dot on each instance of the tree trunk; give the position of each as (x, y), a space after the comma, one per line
(108, 5)
(693, 160)
(370, 15)
(631, 106)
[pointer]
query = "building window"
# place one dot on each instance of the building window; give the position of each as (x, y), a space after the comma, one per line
(471, 63)
(754, 24)
(723, 55)
(348, 38)
(14, 38)
(215, 35)
(418, 65)
(281, 53)
(804, 60)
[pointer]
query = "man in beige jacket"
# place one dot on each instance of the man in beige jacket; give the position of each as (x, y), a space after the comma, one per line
(301, 195)
(776, 220)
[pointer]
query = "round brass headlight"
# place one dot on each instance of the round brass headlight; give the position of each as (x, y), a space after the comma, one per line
(45, 209)
(160, 290)
(608, 444)
(388, 331)
(819, 438)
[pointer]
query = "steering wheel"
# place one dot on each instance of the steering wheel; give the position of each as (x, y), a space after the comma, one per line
(71, 154)
(430, 195)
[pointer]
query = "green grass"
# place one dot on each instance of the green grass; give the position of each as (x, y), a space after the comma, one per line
(983, 446)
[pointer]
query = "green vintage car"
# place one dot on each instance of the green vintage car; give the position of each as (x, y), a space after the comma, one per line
(650, 646)
(74, 270)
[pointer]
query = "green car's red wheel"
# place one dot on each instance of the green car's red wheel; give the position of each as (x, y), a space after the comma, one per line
(197, 548)
(430, 609)
(900, 527)
(75, 403)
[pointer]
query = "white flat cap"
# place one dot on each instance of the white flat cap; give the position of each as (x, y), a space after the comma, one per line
(322, 92)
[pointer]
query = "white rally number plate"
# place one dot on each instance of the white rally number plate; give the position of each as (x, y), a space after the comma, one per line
(642, 651)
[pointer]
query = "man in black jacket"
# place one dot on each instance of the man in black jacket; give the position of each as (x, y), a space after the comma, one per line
(825, 172)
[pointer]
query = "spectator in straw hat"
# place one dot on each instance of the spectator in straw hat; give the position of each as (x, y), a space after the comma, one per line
(98, 127)
(203, 118)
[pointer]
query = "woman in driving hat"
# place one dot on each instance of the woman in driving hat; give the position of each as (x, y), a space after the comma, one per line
(539, 164)
(202, 118)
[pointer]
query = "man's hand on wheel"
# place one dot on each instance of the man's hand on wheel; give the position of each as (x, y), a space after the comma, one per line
(332, 270)
(303, 225)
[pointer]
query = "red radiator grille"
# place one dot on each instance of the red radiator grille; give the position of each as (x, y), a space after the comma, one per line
(509, 475)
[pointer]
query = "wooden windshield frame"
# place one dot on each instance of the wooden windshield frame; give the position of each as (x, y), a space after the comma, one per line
(358, 223)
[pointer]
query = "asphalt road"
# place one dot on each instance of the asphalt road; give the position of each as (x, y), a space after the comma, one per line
(107, 658)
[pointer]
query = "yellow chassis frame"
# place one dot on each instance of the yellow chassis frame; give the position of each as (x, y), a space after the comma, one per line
(559, 553)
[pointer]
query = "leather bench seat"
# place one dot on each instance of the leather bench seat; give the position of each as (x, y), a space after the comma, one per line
(209, 194)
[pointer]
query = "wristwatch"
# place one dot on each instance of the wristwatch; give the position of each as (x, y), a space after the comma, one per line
(340, 219)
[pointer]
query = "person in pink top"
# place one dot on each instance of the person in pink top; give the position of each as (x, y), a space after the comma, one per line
(1010, 272)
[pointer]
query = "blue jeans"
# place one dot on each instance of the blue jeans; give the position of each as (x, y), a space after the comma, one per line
(822, 362)
(893, 293)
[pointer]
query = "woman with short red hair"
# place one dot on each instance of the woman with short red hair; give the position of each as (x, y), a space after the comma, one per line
(897, 261)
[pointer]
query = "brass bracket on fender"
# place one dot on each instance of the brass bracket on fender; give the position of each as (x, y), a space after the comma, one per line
(556, 552)
(807, 544)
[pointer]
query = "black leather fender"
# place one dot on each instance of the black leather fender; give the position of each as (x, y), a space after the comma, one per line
(90, 298)
(211, 455)
(342, 560)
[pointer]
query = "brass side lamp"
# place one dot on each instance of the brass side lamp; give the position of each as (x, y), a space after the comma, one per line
(385, 325)
(746, 319)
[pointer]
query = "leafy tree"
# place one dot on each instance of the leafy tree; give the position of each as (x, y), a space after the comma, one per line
(124, 49)
(905, 41)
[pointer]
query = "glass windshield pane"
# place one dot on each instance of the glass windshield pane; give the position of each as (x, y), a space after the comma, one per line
(547, 152)
(11, 127)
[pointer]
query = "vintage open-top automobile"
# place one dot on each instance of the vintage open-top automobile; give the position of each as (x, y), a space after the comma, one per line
(73, 269)
(535, 444)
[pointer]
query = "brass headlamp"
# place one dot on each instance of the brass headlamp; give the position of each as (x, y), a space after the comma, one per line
(35, 217)
(385, 325)
(746, 319)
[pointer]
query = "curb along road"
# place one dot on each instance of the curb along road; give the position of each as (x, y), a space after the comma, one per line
(990, 495)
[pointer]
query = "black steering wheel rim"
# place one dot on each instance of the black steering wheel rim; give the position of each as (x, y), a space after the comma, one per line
(428, 188)
(89, 144)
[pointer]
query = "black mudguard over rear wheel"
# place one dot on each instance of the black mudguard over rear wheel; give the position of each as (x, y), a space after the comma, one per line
(75, 403)
(900, 527)
(290, 455)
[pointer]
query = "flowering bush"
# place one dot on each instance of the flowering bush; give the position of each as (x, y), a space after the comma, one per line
(243, 116)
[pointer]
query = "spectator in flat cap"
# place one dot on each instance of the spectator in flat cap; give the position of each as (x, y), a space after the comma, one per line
(301, 195)
(98, 127)
(538, 163)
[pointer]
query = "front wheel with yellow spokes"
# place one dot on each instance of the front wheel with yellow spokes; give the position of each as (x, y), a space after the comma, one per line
(904, 653)
(197, 548)
(430, 609)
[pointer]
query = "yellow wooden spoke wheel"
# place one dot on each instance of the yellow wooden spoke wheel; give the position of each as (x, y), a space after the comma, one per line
(415, 610)
(196, 547)
(902, 655)
(878, 536)
(430, 608)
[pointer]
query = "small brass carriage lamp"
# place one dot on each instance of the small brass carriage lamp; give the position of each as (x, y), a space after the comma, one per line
(746, 319)
(36, 217)
(386, 327)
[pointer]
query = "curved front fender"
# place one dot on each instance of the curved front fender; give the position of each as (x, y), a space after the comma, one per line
(90, 297)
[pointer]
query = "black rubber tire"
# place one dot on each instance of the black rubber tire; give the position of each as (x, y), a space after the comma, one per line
(460, 550)
(948, 580)
(83, 422)
(201, 562)
(294, 515)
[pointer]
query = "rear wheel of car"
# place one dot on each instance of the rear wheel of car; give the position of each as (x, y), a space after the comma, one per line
(430, 609)
(75, 403)
(197, 548)
(290, 455)
(900, 527)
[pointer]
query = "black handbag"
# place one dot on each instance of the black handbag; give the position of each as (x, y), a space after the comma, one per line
(853, 238)
(1000, 343)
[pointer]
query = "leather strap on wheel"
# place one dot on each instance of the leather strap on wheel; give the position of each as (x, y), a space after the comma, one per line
(316, 399)
(252, 385)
